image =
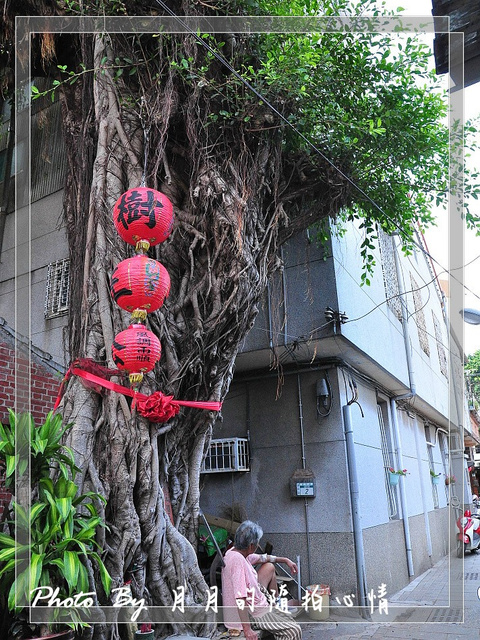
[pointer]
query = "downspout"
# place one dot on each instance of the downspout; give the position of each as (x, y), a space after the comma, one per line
(406, 335)
(356, 516)
(304, 466)
(396, 429)
(284, 289)
(269, 311)
(403, 497)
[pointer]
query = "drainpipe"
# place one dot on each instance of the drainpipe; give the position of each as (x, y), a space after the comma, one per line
(424, 499)
(284, 289)
(406, 335)
(304, 465)
(403, 497)
(356, 516)
(396, 430)
(269, 312)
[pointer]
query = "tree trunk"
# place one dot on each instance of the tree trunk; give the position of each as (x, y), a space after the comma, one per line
(225, 184)
(218, 270)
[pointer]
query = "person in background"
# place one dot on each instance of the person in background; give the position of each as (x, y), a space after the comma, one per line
(247, 594)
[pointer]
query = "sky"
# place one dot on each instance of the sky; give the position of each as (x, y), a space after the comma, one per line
(437, 238)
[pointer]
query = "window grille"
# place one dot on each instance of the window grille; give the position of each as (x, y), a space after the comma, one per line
(388, 461)
(443, 441)
(58, 285)
(442, 356)
(389, 272)
(432, 468)
(227, 454)
(420, 316)
(48, 148)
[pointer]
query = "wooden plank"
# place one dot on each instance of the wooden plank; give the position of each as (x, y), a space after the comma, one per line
(230, 525)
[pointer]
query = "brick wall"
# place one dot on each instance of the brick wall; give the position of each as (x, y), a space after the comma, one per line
(43, 388)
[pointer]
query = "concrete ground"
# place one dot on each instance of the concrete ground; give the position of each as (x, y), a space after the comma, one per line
(441, 604)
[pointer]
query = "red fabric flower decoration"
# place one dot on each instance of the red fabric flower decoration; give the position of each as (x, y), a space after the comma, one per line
(158, 407)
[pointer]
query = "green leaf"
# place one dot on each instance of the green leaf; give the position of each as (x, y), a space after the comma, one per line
(104, 575)
(6, 541)
(65, 488)
(35, 511)
(64, 506)
(7, 435)
(12, 419)
(36, 563)
(71, 562)
(39, 445)
(53, 512)
(8, 567)
(58, 562)
(86, 534)
(68, 526)
(22, 466)
(47, 483)
(18, 594)
(5, 445)
(10, 463)
(7, 554)
(82, 582)
(72, 541)
(21, 516)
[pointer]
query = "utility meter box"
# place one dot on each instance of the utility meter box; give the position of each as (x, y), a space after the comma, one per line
(303, 484)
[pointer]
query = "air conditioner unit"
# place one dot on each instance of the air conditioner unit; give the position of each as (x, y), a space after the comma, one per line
(227, 454)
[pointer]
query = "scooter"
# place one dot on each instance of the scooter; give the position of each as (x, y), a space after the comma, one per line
(476, 506)
(468, 538)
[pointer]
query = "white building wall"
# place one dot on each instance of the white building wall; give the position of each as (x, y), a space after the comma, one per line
(374, 328)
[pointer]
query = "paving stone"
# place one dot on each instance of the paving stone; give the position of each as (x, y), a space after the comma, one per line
(442, 604)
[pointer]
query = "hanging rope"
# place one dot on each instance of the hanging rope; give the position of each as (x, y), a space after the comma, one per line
(146, 141)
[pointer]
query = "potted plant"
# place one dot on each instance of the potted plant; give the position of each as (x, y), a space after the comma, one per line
(435, 476)
(394, 476)
(450, 480)
(145, 632)
(61, 524)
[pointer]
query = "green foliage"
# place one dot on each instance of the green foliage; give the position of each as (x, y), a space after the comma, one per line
(56, 534)
(371, 103)
(46, 449)
(472, 373)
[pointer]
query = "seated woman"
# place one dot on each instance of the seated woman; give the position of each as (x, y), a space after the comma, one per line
(245, 592)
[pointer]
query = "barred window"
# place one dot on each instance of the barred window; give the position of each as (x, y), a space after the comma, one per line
(389, 272)
(432, 469)
(388, 459)
(442, 356)
(420, 316)
(58, 286)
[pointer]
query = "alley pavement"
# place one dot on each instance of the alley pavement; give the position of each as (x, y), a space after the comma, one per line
(440, 604)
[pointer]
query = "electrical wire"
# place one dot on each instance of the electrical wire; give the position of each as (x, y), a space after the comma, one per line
(227, 65)
(224, 62)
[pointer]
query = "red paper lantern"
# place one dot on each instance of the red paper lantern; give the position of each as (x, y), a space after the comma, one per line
(143, 214)
(136, 349)
(140, 283)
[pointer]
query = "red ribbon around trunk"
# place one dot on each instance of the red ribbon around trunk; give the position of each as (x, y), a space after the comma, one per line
(157, 407)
